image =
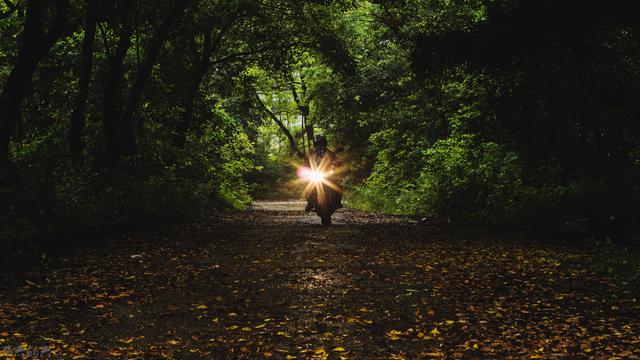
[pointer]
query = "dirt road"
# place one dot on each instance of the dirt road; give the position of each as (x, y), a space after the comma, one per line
(269, 282)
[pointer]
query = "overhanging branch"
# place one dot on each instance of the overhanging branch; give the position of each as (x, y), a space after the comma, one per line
(242, 55)
(12, 8)
(287, 133)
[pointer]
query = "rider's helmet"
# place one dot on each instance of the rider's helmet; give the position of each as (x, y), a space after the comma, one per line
(319, 141)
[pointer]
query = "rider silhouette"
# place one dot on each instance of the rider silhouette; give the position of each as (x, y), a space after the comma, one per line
(324, 159)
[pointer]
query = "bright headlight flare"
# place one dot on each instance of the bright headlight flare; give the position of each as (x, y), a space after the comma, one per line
(316, 176)
(313, 175)
(303, 172)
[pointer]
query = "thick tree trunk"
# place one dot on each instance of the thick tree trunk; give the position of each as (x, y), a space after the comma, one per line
(192, 90)
(78, 114)
(198, 74)
(126, 134)
(35, 45)
(112, 90)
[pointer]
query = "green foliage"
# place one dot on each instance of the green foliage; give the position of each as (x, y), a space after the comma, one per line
(461, 179)
(438, 125)
(194, 125)
(439, 104)
(44, 193)
(274, 176)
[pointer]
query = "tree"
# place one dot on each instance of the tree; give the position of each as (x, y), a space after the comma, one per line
(86, 63)
(36, 42)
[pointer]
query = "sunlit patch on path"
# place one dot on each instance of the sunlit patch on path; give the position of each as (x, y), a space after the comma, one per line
(269, 282)
(297, 206)
(292, 205)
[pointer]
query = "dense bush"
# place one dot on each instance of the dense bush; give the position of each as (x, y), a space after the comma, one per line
(450, 115)
(45, 192)
(461, 179)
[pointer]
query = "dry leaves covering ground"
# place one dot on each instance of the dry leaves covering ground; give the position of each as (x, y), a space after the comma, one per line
(271, 283)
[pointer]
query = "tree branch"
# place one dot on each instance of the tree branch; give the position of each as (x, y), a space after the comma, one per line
(287, 133)
(257, 51)
(303, 108)
(12, 8)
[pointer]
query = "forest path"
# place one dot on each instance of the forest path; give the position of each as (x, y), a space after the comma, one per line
(269, 282)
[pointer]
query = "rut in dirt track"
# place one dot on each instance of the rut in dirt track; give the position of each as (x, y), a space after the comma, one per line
(270, 282)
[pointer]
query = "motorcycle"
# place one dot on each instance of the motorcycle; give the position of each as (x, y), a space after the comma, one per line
(323, 190)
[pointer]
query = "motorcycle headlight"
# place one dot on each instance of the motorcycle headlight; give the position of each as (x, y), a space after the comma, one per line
(316, 176)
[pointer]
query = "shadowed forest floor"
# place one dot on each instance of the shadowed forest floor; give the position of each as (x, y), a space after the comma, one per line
(269, 282)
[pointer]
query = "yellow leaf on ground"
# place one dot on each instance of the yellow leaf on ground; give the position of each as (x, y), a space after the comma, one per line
(438, 354)
(393, 335)
(435, 332)
(201, 307)
(339, 349)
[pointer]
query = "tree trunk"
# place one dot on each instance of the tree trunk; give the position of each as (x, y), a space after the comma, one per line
(78, 114)
(112, 90)
(303, 106)
(126, 135)
(198, 74)
(192, 90)
(34, 46)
